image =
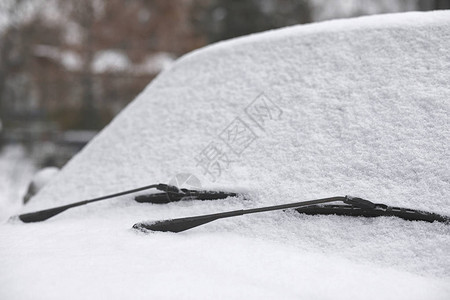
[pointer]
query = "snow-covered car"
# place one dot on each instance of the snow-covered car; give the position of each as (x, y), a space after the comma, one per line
(351, 107)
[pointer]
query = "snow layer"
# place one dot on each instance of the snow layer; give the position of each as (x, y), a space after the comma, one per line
(358, 106)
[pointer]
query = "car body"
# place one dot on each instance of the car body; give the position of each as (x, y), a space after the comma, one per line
(357, 106)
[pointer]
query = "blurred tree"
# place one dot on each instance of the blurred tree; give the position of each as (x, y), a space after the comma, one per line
(225, 19)
(11, 55)
(433, 4)
(82, 13)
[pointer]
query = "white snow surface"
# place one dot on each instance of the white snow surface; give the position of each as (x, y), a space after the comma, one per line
(365, 111)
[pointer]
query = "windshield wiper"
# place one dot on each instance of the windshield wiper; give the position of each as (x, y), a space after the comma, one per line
(169, 194)
(362, 206)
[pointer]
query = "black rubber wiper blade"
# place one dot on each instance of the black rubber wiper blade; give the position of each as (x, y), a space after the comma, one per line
(182, 195)
(380, 210)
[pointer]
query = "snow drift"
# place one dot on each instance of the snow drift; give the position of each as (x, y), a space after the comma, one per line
(357, 106)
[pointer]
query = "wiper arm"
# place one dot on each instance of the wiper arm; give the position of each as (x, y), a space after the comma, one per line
(45, 214)
(358, 204)
(170, 194)
(182, 224)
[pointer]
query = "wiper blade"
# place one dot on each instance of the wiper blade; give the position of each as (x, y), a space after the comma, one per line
(170, 194)
(380, 210)
(183, 194)
(359, 206)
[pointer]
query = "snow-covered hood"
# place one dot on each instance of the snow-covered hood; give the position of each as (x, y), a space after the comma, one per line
(358, 106)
